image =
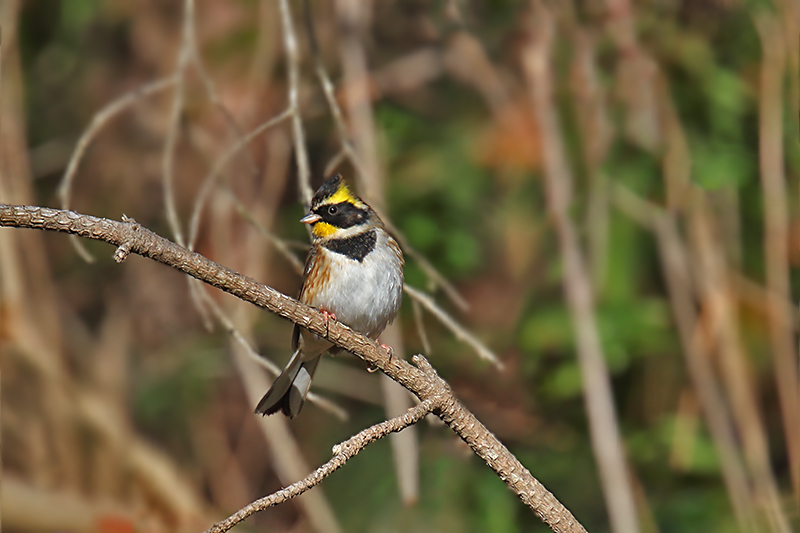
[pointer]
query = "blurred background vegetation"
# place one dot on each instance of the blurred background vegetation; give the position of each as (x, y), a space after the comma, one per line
(122, 412)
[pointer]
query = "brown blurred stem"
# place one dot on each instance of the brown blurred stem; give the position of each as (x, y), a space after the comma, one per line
(293, 66)
(171, 140)
(603, 426)
(676, 269)
(422, 380)
(776, 233)
(341, 454)
(721, 322)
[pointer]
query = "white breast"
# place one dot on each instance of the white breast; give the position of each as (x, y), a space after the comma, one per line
(364, 295)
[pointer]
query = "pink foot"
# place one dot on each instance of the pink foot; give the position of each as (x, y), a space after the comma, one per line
(327, 316)
(389, 349)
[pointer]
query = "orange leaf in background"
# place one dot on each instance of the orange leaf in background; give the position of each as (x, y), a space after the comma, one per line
(512, 141)
(114, 524)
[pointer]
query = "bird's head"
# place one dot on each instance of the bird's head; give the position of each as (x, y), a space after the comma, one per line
(336, 212)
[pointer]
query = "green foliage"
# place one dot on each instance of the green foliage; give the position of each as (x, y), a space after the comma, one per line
(166, 394)
(440, 194)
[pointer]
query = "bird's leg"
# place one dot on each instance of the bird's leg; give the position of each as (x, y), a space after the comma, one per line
(389, 349)
(326, 317)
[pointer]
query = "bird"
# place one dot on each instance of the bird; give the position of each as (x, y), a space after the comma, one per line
(353, 274)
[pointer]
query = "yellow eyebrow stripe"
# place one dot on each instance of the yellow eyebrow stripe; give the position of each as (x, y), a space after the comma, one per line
(343, 194)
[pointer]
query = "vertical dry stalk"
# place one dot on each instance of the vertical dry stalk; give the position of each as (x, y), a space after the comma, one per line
(352, 16)
(696, 352)
(405, 445)
(695, 346)
(27, 293)
(293, 66)
(596, 135)
(603, 426)
(716, 297)
(776, 233)
(168, 161)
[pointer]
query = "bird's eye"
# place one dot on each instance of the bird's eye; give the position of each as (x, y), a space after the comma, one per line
(332, 210)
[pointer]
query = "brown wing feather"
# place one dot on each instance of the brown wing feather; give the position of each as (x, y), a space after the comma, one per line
(314, 276)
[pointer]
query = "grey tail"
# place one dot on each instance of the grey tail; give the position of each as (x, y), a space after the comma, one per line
(289, 391)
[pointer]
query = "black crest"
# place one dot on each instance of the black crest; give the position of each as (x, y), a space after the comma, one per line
(327, 189)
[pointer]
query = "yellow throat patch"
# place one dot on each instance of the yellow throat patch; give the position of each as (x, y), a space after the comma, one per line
(323, 229)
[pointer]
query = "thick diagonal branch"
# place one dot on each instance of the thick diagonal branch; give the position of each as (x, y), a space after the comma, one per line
(422, 380)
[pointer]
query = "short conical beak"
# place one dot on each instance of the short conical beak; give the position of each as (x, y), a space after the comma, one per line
(310, 218)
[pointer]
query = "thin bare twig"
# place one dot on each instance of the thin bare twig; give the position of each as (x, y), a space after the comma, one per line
(721, 320)
(363, 132)
(211, 92)
(293, 65)
(341, 454)
(283, 247)
(461, 333)
(434, 276)
(416, 307)
(216, 169)
(100, 119)
(168, 160)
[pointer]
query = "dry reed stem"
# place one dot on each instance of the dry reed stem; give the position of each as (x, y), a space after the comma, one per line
(2, 195)
(351, 17)
(722, 322)
(213, 97)
(286, 457)
(293, 64)
(23, 504)
(776, 234)
(173, 127)
(604, 430)
(422, 380)
(281, 442)
(396, 400)
(695, 349)
(363, 128)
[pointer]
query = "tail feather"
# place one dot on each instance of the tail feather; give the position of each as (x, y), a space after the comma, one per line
(289, 391)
